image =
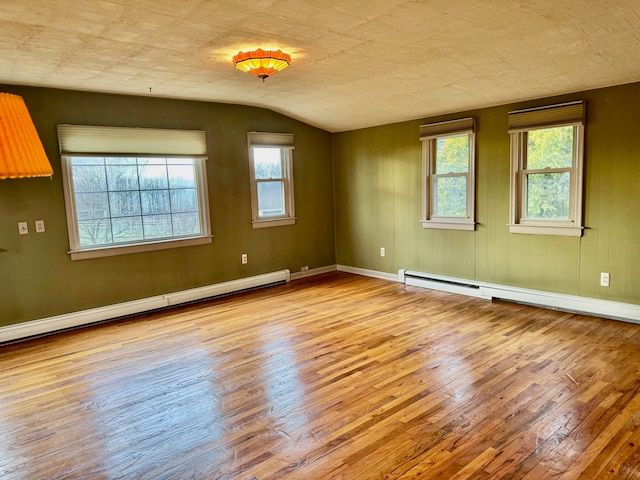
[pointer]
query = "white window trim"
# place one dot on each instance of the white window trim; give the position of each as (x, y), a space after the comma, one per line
(112, 251)
(429, 135)
(523, 121)
(89, 140)
(283, 141)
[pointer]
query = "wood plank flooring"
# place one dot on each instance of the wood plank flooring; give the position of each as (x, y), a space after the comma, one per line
(332, 377)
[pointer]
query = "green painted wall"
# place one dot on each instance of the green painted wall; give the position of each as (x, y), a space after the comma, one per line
(378, 204)
(375, 181)
(37, 277)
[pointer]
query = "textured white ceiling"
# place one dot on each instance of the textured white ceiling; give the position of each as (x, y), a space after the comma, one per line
(355, 63)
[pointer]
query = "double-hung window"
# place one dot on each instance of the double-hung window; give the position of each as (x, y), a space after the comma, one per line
(271, 169)
(448, 165)
(546, 169)
(130, 190)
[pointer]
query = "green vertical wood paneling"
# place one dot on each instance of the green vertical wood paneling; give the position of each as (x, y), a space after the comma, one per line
(632, 280)
(407, 193)
(378, 194)
(492, 201)
(613, 198)
(373, 174)
(559, 264)
(37, 277)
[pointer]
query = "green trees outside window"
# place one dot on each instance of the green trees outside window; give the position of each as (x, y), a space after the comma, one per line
(448, 167)
(450, 177)
(549, 159)
(547, 145)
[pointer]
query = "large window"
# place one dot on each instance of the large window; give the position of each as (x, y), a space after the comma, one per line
(130, 190)
(271, 168)
(546, 169)
(448, 153)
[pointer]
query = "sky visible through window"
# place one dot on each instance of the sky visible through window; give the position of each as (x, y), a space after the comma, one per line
(270, 182)
(129, 200)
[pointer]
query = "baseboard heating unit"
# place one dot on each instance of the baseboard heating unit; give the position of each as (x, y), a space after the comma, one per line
(444, 284)
(572, 303)
(109, 312)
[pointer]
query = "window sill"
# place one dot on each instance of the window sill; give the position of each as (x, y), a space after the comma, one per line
(276, 222)
(439, 225)
(563, 231)
(111, 251)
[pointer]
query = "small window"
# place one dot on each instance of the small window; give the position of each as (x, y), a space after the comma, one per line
(546, 170)
(124, 202)
(448, 152)
(271, 169)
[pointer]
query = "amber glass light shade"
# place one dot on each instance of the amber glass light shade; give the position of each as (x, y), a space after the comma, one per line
(262, 63)
(21, 151)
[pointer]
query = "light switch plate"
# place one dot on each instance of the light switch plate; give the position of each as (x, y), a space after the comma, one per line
(23, 228)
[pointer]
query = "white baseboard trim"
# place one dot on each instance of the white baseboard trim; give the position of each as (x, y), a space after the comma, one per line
(627, 312)
(368, 273)
(217, 289)
(313, 271)
(590, 306)
(86, 317)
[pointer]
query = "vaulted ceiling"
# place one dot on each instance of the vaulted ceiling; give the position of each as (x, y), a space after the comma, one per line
(355, 63)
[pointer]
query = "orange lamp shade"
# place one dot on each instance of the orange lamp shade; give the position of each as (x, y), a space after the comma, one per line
(21, 151)
(262, 63)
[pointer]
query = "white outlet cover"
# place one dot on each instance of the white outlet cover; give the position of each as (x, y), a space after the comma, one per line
(39, 226)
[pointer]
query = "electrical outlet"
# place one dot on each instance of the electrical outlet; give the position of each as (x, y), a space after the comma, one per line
(245, 260)
(382, 251)
(604, 279)
(305, 268)
(23, 228)
(39, 226)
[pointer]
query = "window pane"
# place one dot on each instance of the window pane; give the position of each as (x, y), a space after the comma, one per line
(127, 229)
(89, 178)
(184, 200)
(550, 148)
(152, 176)
(122, 177)
(152, 161)
(124, 204)
(547, 195)
(267, 162)
(92, 206)
(157, 226)
(155, 201)
(121, 161)
(180, 161)
(120, 199)
(186, 224)
(75, 161)
(271, 198)
(452, 154)
(182, 176)
(450, 196)
(94, 232)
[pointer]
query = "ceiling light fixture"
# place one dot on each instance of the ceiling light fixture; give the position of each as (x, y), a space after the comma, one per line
(262, 63)
(21, 151)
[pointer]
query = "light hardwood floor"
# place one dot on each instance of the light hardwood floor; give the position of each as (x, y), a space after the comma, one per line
(332, 377)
